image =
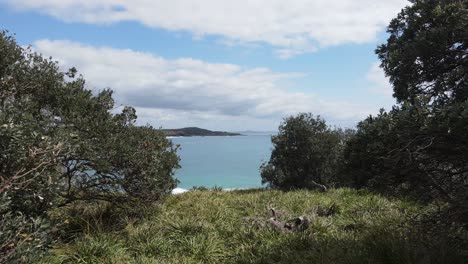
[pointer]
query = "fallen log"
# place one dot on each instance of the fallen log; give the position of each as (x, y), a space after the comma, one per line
(297, 224)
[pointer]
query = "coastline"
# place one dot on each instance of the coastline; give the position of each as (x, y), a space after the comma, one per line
(206, 136)
(178, 190)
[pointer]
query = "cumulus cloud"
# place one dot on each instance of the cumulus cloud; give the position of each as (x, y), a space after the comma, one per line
(292, 27)
(379, 82)
(188, 91)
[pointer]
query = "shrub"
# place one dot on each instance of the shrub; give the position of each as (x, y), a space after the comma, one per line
(61, 143)
(306, 154)
(22, 239)
(420, 147)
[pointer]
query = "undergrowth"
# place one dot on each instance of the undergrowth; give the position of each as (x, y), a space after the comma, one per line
(229, 227)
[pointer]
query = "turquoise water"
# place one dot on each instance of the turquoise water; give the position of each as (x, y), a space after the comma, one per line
(227, 162)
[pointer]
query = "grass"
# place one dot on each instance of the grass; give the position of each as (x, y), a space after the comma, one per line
(229, 227)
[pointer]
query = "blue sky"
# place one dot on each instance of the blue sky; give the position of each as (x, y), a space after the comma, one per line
(229, 65)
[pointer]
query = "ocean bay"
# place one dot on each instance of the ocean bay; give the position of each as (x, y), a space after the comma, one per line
(227, 162)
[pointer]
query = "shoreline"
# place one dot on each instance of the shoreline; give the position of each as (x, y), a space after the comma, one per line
(178, 190)
(206, 136)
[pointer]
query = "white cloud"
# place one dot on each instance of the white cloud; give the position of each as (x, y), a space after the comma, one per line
(187, 91)
(292, 27)
(380, 83)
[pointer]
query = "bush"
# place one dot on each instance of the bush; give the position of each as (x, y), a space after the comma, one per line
(61, 143)
(420, 147)
(412, 153)
(22, 239)
(57, 134)
(416, 153)
(306, 154)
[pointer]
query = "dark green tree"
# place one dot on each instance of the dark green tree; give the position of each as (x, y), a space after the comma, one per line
(60, 143)
(426, 53)
(305, 154)
(420, 147)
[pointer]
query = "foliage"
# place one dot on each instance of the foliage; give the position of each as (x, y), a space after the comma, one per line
(228, 227)
(22, 239)
(420, 147)
(60, 142)
(49, 119)
(306, 154)
(426, 53)
(411, 152)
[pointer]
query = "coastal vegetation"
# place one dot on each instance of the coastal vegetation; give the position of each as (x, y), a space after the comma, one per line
(214, 226)
(82, 183)
(60, 143)
(307, 153)
(419, 148)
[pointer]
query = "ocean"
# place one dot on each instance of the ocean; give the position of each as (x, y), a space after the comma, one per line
(227, 162)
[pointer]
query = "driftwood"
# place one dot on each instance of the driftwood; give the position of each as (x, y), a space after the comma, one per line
(325, 211)
(321, 187)
(297, 224)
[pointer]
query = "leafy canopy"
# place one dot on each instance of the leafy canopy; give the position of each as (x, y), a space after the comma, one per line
(61, 142)
(420, 147)
(306, 154)
(426, 53)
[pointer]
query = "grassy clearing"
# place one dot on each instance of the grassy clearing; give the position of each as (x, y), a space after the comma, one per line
(227, 227)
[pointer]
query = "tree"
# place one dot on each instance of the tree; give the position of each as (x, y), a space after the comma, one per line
(426, 54)
(426, 58)
(305, 154)
(60, 142)
(381, 155)
(420, 147)
(415, 152)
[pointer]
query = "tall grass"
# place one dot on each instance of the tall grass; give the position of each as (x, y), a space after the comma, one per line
(229, 227)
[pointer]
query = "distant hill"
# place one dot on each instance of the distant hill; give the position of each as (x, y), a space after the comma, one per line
(257, 133)
(196, 131)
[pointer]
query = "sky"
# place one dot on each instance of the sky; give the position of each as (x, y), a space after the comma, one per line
(218, 64)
